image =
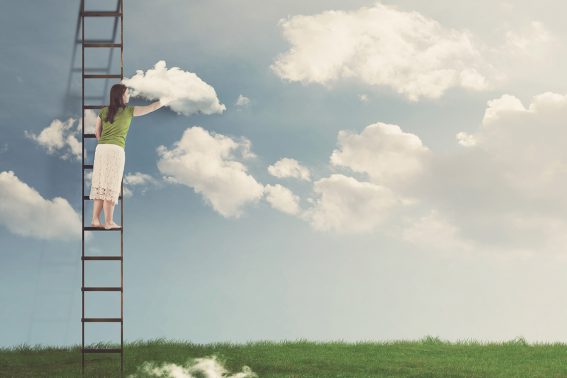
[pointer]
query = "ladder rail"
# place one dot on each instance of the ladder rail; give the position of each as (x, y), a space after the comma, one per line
(83, 184)
(121, 206)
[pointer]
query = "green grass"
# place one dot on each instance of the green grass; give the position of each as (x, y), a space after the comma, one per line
(428, 357)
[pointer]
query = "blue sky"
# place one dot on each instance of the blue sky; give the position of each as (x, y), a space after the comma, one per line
(434, 204)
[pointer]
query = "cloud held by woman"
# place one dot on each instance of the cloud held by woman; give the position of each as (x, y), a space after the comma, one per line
(183, 91)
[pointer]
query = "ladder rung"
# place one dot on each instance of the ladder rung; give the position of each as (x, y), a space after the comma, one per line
(102, 76)
(101, 288)
(101, 350)
(103, 320)
(101, 14)
(101, 44)
(89, 228)
(89, 135)
(88, 166)
(101, 257)
(88, 197)
(93, 106)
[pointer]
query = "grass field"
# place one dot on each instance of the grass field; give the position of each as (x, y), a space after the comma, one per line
(429, 357)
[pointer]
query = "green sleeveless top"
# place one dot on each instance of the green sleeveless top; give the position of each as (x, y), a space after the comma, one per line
(115, 132)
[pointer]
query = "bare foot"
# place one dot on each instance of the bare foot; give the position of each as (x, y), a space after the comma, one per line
(111, 225)
(96, 224)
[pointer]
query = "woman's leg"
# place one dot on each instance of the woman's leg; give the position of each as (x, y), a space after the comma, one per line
(108, 206)
(117, 160)
(97, 207)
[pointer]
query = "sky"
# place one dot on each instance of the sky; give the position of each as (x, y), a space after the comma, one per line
(325, 170)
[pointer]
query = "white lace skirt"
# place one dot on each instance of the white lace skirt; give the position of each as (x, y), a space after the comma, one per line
(108, 168)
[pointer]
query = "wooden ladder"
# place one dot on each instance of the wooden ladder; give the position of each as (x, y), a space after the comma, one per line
(117, 14)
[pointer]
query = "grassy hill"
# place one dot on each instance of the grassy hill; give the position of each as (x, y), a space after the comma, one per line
(429, 357)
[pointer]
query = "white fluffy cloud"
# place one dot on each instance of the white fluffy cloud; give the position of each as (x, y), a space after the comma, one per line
(381, 45)
(501, 194)
(60, 136)
(90, 122)
(346, 205)
(242, 101)
(465, 139)
(188, 93)
(384, 46)
(23, 211)
(389, 159)
(526, 146)
(382, 151)
(282, 199)
(207, 367)
(287, 167)
(142, 181)
(207, 162)
(138, 178)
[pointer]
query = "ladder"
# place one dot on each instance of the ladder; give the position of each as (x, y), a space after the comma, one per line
(118, 13)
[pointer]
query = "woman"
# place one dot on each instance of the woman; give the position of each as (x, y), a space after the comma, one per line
(109, 157)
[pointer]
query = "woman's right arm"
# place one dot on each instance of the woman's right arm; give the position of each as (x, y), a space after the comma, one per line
(143, 110)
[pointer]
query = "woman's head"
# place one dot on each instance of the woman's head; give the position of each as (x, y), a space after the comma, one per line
(119, 97)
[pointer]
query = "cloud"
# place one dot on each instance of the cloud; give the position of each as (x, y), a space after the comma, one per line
(382, 151)
(143, 181)
(465, 139)
(188, 93)
(501, 194)
(389, 161)
(346, 205)
(139, 178)
(242, 101)
(393, 163)
(206, 161)
(435, 232)
(90, 122)
(24, 212)
(363, 97)
(525, 146)
(536, 37)
(287, 167)
(206, 367)
(381, 45)
(55, 137)
(282, 199)
(60, 136)
(127, 192)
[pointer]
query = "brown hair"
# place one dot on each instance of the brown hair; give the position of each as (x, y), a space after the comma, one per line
(116, 101)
